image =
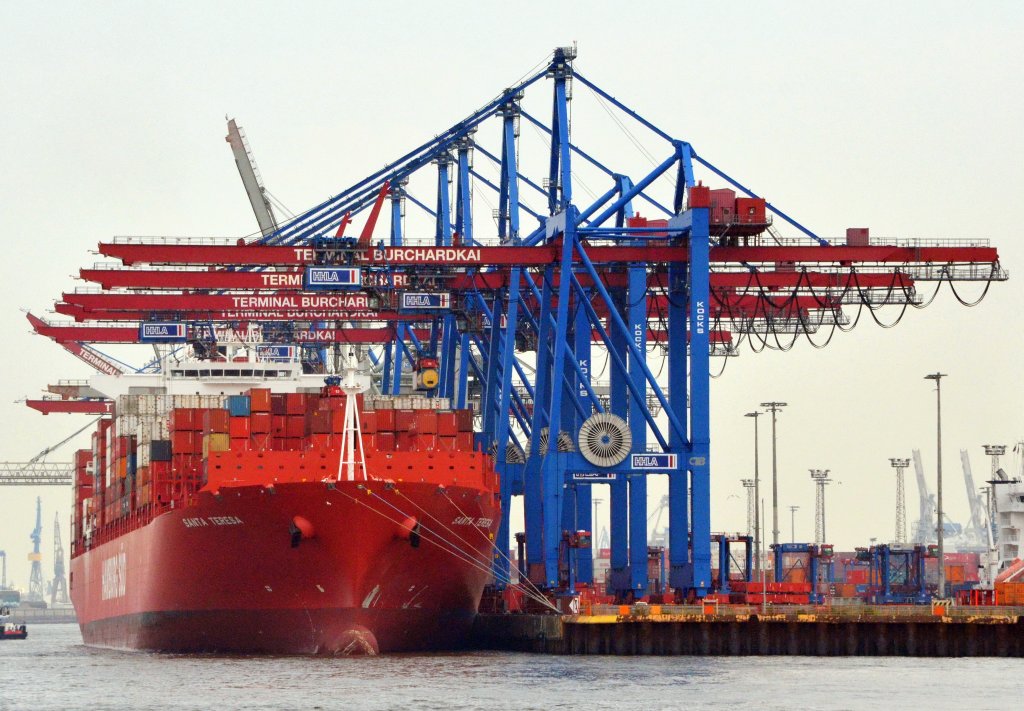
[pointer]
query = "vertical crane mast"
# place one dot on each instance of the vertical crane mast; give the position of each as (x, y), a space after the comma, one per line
(251, 178)
(59, 590)
(35, 580)
(978, 518)
(924, 533)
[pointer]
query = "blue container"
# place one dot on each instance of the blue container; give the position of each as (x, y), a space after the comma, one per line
(238, 405)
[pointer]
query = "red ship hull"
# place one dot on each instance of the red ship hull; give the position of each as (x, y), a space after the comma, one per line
(370, 568)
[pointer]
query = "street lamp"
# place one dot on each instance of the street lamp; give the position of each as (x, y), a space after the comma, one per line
(792, 523)
(757, 497)
(774, 407)
(937, 377)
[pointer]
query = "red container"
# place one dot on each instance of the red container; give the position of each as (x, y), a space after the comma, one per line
(260, 441)
(447, 423)
(447, 443)
(403, 441)
(750, 210)
(295, 426)
(404, 420)
(337, 421)
(385, 441)
(368, 422)
(295, 404)
(465, 420)
(321, 441)
(331, 403)
(183, 442)
(320, 422)
(216, 421)
(424, 442)
(240, 444)
(259, 423)
(426, 422)
(279, 404)
(386, 420)
(293, 444)
(464, 441)
(239, 427)
(278, 425)
(182, 419)
(259, 399)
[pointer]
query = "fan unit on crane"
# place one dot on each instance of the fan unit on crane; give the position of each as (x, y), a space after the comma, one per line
(565, 443)
(605, 439)
(513, 454)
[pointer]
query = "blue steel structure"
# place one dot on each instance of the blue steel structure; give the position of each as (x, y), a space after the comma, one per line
(897, 575)
(561, 314)
(820, 565)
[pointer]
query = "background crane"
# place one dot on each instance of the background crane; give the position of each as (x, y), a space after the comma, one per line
(59, 586)
(35, 580)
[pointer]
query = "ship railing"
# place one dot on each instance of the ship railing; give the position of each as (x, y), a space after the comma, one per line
(166, 240)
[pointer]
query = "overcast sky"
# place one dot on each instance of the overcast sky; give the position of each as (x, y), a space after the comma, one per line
(902, 117)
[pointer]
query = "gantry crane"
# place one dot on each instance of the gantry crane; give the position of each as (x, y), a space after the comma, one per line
(524, 313)
(35, 578)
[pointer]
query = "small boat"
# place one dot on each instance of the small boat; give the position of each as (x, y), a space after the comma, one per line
(9, 630)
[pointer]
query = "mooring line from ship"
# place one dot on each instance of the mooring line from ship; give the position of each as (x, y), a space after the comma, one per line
(449, 547)
(490, 542)
(479, 559)
(536, 594)
(524, 583)
(453, 549)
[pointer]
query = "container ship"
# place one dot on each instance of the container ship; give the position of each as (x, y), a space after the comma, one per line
(248, 507)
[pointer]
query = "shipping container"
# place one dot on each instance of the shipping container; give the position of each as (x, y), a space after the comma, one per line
(238, 406)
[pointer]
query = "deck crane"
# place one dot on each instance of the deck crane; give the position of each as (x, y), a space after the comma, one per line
(593, 287)
(35, 578)
(59, 585)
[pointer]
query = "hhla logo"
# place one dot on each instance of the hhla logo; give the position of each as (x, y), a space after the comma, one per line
(115, 576)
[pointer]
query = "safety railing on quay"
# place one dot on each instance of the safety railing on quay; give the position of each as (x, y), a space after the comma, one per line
(856, 611)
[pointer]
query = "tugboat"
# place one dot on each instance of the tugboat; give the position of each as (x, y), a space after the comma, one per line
(9, 630)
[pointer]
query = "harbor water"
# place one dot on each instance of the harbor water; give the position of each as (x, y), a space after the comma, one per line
(52, 669)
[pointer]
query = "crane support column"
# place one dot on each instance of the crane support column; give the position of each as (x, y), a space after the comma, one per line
(700, 398)
(584, 494)
(636, 317)
(680, 567)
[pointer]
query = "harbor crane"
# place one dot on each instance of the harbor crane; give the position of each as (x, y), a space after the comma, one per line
(59, 585)
(35, 579)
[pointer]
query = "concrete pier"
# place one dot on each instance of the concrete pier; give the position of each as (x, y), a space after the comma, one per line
(865, 632)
